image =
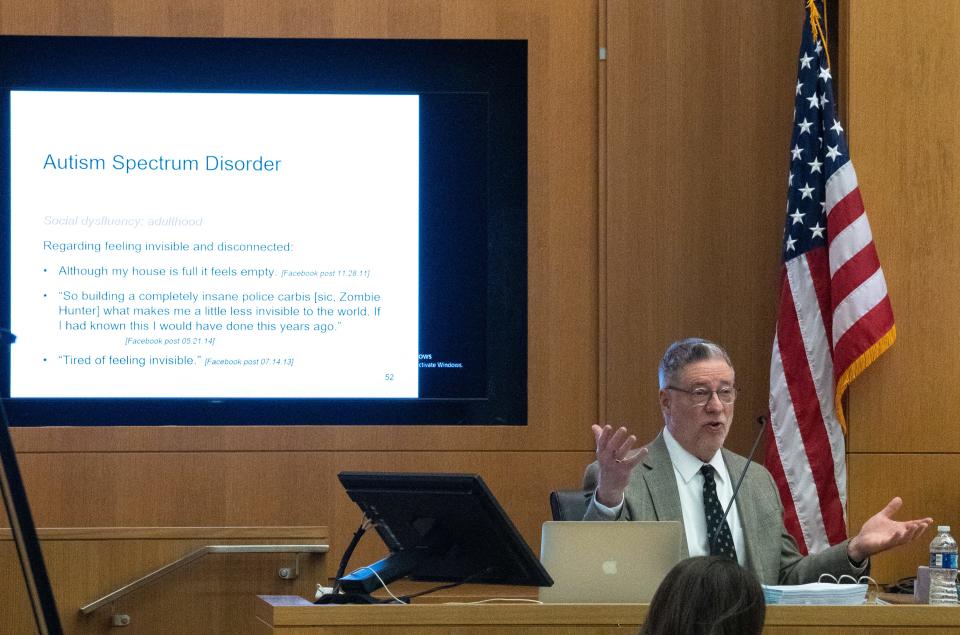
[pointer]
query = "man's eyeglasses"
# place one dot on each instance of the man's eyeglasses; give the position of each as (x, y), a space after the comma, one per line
(700, 396)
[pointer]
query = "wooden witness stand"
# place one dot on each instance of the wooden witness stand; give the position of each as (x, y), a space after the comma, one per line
(290, 615)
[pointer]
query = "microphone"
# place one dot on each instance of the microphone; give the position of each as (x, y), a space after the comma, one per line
(762, 420)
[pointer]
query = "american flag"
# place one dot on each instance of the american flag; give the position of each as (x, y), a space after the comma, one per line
(835, 316)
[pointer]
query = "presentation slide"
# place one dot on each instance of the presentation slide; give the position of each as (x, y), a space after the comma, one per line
(214, 245)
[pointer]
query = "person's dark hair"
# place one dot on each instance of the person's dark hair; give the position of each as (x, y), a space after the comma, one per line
(706, 595)
(679, 354)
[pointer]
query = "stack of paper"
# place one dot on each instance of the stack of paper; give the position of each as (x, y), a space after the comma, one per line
(816, 593)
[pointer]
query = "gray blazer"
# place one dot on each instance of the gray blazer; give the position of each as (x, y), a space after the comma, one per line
(771, 552)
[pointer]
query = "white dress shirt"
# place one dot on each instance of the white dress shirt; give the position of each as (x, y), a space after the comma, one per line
(686, 469)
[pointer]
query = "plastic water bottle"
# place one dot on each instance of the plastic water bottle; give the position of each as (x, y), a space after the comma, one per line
(943, 567)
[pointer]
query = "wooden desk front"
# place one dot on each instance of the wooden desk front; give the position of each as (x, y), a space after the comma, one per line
(290, 615)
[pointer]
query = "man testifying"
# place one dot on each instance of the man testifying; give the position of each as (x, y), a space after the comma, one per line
(684, 473)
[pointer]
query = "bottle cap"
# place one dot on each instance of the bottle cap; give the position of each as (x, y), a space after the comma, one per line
(943, 528)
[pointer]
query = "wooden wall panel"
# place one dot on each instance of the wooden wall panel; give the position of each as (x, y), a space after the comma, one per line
(904, 92)
(880, 477)
(699, 104)
(121, 489)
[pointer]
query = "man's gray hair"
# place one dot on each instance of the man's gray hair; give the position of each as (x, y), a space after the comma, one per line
(680, 354)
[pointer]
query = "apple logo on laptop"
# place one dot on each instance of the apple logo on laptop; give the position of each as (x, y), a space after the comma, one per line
(610, 567)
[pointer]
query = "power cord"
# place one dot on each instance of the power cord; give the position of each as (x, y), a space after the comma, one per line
(903, 585)
(466, 580)
(365, 524)
(386, 588)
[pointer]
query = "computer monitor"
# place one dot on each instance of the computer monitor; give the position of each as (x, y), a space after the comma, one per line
(439, 527)
(223, 231)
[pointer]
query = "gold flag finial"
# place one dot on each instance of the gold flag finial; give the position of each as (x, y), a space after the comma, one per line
(816, 26)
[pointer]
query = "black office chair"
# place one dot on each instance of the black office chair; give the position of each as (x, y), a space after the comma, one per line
(569, 504)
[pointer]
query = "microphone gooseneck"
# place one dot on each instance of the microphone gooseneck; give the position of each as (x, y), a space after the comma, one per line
(762, 420)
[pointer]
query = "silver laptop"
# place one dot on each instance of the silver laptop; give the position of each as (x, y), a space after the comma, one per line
(607, 562)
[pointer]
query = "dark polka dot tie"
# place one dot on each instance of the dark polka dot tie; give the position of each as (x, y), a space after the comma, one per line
(719, 538)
